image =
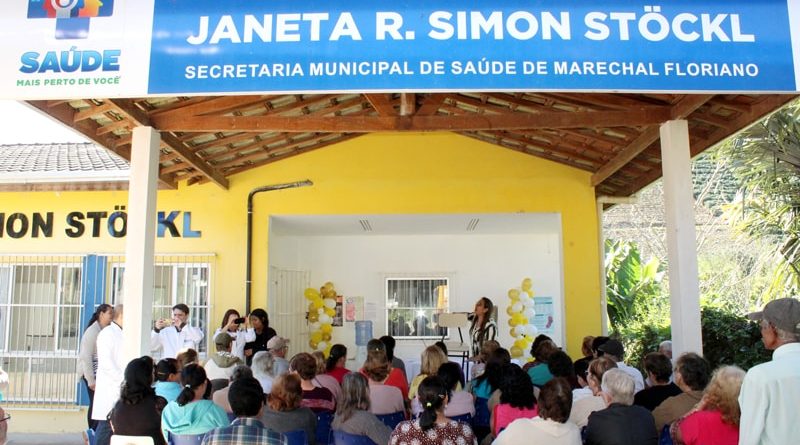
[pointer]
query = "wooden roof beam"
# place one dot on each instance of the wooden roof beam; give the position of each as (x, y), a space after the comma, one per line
(683, 108)
(381, 103)
(431, 105)
(364, 124)
(129, 109)
(408, 104)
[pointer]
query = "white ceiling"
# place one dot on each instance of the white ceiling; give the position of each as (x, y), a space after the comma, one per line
(427, 224)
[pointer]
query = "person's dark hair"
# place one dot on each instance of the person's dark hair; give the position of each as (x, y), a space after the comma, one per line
(389, 343)
(337, 351)
(544, 350)
(516, 387)
(138, 381)
(100, 310)
(555, 400)
(246, 397)
(491, 373)
(192, 377)
(304, 364)
(580, 367)
(560, 365)
(241, 372)
(538, 340)
(597, 342)
(181, 307)
(440, 344)
(659, 365)
(375, 344)
(165, 368)
(261, 314)
(227, 315)
(451, 375)
(487, 303)
(695, 370)
(431, 394)
(209, 390)
(377, 366)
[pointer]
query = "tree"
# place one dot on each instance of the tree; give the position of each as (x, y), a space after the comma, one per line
(628, 281)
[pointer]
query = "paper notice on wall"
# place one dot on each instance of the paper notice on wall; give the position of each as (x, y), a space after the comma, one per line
(370, 311)
(353, 308)
(544, 318)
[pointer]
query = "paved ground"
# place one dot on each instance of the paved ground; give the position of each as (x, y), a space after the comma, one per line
(45, 439)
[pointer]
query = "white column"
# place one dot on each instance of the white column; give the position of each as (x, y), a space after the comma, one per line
(684, 287)
(140, 242)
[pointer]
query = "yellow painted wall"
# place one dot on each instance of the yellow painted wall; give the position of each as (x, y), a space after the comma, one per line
(372, 174)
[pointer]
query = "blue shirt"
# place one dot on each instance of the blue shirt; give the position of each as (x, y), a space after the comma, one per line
(168, 390)
(244, 431)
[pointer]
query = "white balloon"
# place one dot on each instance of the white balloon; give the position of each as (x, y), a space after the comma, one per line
(325, 319)
(527, 301)
(532, 331)
(519, 330)
(529, 313)
(321, 346)
(321, 310)
(315, 326)
(329, 303)
(516, 307)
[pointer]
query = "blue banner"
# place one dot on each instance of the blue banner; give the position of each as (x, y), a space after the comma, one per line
(232, 46)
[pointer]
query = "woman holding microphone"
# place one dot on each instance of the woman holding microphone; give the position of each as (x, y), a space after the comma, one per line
(483, 328)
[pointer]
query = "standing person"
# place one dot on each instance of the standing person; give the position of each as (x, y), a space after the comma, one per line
(87, 358)
(176, 334)
(432, 427)
(352, 411)
(246, 399)
(110, 373)
(259, 321)
(770, 391)
(136, 412)
(238, 329)
(483, 328)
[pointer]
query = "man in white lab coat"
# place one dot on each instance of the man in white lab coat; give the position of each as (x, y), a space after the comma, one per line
(110, 373)
(176, 334)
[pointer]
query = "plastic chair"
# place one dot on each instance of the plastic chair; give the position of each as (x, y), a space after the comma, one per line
(324, 420)
(392, 420)
(342, 438)
(481, 412)
(185, 439)
(296, 437)
(117, 439)
(466, 418)
(665, 438)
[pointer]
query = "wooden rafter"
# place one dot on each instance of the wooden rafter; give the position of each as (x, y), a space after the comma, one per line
(367, 124)
(408, 104)
(128, 108)
(381, 103)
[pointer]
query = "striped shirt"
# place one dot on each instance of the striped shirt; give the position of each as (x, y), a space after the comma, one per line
(244, 431)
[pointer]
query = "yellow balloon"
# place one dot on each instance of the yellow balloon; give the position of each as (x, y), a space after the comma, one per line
(313, 317)
(511, 332)
(330, 312)
(513, 294)
(327, 350)
(326, 337)
(329, 293)
(516, 352)
(520, 343)
(316, 337)
(328, 285)
(312, 344)
(510, 310)
(311, 293)
(513, 322)
(529, 292)
(527, 283)
(318, 303)
(326, 328)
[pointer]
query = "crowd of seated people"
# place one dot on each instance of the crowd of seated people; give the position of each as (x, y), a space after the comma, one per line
(595, 400)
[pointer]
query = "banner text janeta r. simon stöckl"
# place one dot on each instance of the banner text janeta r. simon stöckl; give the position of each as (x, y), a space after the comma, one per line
(226, 47)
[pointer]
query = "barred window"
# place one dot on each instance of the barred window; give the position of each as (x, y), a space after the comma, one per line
(413, 305)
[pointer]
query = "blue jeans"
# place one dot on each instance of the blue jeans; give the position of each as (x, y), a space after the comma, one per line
(103, 433)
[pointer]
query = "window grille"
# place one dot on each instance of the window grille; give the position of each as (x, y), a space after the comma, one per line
(413, 305)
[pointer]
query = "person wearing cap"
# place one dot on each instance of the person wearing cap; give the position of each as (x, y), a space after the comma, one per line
(220, 364)
(771, 390)
(278, 347)
(613, 349)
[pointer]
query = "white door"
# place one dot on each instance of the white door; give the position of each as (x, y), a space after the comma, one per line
(287, 306)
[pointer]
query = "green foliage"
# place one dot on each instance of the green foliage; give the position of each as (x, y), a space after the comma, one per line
(628, 281)
(730, 339)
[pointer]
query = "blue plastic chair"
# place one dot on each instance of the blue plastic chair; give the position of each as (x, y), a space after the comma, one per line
(324, 420)
(393, 419)
(481, 412)
(185, 439)
(342, 438)
(665, 438)
(296, 437)
(91, 438)
(466, 418)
